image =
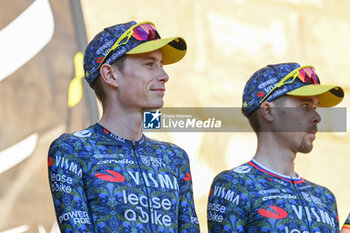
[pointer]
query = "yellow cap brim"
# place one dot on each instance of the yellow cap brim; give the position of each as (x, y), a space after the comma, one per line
(328, 95)
(173, 49)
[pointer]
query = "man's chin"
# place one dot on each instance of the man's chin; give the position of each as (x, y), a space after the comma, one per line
(305, 149)
(150, 108)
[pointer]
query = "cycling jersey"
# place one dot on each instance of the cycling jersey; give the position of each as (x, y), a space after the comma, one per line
(103, 183)
(252, 198)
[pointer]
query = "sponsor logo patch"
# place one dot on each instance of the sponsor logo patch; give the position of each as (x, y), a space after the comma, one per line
(277, 213)
(114, 177)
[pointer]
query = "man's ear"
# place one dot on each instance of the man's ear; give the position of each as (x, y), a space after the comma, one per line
(108, 75)
(266, 111)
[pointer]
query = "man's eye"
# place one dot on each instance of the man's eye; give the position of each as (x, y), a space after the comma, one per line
(307, 107)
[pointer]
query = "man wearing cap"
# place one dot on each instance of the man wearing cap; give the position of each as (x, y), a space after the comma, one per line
(110, 177)
(266, 194)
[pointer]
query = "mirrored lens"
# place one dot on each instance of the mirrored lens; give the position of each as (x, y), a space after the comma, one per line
(145, 32)
(308, 75)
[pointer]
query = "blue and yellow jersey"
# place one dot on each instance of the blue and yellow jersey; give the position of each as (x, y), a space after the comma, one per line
(103, 183)
(252, 198)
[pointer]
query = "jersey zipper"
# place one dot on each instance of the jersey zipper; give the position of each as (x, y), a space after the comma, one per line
(144, 182)
(302, 203)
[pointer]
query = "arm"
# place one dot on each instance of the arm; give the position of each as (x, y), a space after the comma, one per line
(188, 221)
(67, 188)
(228, 205)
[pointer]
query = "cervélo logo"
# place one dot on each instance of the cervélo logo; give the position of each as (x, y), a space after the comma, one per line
(114, 177)
(278, 212)
(152, 120)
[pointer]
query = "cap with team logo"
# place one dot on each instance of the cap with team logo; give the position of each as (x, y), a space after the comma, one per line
(273, 81)
(129, 38)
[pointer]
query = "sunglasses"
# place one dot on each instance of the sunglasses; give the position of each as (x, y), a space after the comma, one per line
(306, 74)
(144, 31)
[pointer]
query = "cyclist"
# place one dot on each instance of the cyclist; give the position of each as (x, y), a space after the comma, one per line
(110, 177)
(266, 194)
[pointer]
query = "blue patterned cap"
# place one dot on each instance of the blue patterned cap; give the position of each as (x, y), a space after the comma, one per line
(265, 79)
(262, 82)
(173, 49)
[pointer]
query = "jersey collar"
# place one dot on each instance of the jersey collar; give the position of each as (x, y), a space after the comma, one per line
(259, 166)
(119, 140)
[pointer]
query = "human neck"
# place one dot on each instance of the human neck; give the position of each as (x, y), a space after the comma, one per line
(125, 124)
(274, 155)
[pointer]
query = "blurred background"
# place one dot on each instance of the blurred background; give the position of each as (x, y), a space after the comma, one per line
(228, 40)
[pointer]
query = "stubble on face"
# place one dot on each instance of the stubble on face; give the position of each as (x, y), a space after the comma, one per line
(306, 144)
(296, 124)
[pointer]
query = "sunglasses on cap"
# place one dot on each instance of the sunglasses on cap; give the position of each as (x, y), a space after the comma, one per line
(143, 31)
(306, 74)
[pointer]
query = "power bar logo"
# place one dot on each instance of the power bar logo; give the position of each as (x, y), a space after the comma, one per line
(152, 120)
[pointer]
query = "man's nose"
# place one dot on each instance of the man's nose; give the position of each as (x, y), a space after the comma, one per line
(163, 76)
(316, 118)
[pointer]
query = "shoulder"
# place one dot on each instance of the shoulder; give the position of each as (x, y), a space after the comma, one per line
(236, 180)
(237, 174)
(155, 142)
(70, 142)
(319, 190)
(166, 147)
(68, 153)
(317, 186)
(230, 190)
